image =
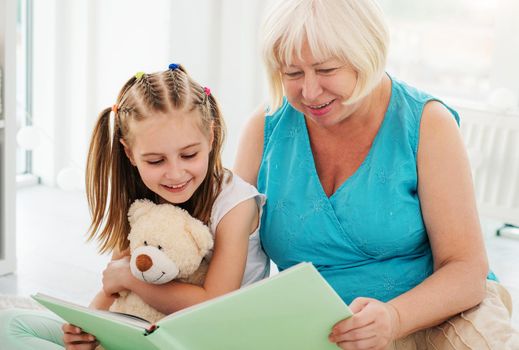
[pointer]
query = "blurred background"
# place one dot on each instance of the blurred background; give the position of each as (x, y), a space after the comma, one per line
(63, 61)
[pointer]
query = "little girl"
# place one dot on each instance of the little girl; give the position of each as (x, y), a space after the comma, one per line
(162, 141)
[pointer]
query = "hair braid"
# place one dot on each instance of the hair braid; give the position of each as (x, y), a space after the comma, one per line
(152, 93)
(175, 81)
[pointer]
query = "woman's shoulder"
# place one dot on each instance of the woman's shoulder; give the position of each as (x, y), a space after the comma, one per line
(274, 116)
(416, 101)
(404, 90)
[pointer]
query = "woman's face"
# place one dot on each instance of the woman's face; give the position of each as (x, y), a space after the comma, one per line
(318, 89)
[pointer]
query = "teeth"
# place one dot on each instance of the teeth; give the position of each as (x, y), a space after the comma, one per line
(321, 106)
(177, 186)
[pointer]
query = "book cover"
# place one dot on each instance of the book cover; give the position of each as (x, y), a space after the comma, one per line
(294, 309)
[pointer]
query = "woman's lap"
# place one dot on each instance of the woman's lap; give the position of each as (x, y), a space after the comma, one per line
(23, 329)
(486, 326)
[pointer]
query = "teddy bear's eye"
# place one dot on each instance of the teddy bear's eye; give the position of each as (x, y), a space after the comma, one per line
(160, 247)
(145, 242)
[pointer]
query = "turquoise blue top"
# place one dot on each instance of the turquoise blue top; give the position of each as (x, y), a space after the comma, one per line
(368, 238)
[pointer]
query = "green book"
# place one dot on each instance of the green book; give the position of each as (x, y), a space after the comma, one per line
(295, 309)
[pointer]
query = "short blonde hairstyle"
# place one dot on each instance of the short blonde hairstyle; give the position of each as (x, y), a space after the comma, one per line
(353, 31)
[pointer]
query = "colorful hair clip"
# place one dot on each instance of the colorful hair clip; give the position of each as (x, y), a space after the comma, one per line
(207, 91)
(115, 108)
(173, 66)
(139, 75)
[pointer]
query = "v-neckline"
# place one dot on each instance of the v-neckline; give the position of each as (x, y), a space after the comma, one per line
(366, 158)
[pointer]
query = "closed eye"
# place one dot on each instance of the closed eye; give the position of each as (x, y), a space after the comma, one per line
(294, 75)
(154, 162)
(326, 71)
(189, 156)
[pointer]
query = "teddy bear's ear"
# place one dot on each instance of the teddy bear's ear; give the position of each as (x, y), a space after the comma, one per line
(139, 208)
(200, 233)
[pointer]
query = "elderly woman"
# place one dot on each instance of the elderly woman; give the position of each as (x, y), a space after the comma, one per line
(368, 178)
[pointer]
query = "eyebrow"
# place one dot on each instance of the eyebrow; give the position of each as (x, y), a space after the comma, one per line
(313, 65)
(182, 149)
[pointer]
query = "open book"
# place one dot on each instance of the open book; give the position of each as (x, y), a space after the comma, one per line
(295, 309)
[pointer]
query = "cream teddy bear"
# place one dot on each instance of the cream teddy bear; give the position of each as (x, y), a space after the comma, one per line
(166, 243)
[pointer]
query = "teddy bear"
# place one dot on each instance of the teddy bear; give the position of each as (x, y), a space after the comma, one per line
(166, 243)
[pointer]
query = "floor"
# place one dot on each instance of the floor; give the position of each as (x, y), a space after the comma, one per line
(54, 258)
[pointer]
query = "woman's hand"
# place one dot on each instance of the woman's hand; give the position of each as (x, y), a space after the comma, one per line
(373, 326)
(75, 339)
(116, 276)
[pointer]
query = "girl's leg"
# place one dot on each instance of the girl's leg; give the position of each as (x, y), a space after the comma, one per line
(22, 329)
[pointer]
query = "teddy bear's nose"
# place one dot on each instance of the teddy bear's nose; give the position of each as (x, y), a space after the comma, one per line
(143, 262)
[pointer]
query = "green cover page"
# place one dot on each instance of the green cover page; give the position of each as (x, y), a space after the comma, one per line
(112, 330)
(294, 309)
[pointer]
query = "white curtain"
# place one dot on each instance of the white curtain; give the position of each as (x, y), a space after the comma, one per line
(85, 50)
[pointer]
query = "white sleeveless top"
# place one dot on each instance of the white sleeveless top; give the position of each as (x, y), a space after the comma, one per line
(233, 193)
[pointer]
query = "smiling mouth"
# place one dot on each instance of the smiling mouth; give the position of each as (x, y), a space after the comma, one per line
(321, 106)
(163, 273)
(177, 187)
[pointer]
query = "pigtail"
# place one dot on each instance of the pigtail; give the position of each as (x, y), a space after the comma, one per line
(112, 184)
(219, 128)
(98, 171)
(201, 203)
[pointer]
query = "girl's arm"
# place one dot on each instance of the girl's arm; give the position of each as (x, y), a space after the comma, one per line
(224, 275)
(103, 301)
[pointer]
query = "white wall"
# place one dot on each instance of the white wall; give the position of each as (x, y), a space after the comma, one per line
(85, 50)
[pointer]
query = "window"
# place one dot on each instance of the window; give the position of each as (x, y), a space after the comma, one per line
(453, 48)
(23, 79)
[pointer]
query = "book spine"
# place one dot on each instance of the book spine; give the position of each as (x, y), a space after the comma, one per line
(162, 340)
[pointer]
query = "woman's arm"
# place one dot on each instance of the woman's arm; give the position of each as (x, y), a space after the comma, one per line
(250, 148)
(449, 210)
(224, 275)
(460, 265)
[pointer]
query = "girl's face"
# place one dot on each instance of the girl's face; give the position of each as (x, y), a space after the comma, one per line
(171, 154)
(318, 88)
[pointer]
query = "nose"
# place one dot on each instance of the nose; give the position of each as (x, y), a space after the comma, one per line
(175, 171)
(143, 262)
(311, 87)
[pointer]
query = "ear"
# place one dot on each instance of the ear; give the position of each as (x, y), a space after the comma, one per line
(200, 233)
(127, 151)
(139, 208)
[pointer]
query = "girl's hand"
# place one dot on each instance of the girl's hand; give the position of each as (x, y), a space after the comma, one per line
(373, 326)
(75, 339)
(116, 276)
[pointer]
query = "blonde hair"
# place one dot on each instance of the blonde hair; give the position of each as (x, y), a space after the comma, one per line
(353, 31)
(113, 183)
